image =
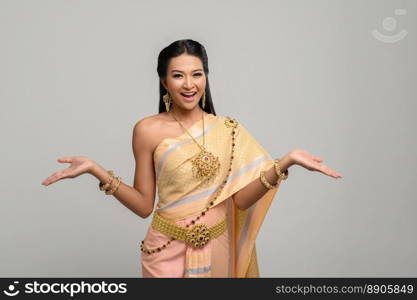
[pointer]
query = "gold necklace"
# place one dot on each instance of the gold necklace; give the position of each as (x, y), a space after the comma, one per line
(205, 165)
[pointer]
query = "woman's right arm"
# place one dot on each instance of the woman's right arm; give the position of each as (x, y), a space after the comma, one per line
(141, 197)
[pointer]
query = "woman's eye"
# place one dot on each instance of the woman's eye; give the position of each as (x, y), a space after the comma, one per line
(178, 75)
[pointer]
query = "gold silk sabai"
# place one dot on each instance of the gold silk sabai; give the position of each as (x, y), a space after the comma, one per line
(182, 197)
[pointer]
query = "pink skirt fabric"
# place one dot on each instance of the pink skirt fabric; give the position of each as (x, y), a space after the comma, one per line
(171, 261)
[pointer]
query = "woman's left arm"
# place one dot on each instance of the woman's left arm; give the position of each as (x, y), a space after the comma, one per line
(247, 196)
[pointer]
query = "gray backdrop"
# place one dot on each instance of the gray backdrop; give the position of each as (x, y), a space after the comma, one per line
(77, 75)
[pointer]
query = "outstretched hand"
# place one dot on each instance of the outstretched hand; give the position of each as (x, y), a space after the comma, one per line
(312, 163)
(79, 165)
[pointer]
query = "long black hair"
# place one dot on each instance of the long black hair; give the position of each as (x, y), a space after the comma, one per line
(175, 49)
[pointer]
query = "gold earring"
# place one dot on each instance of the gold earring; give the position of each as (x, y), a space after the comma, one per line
(204, 99)
(167, 101)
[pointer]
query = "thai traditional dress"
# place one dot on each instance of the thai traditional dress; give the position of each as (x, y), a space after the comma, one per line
(182, 197)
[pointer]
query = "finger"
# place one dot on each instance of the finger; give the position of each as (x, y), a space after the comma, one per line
(334, 173)
(325, 170)
(55, 177)
(65, 159)
(330, 172)
(49, 179)
(338, 175)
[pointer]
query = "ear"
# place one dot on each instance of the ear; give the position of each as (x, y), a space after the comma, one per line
(164, 83)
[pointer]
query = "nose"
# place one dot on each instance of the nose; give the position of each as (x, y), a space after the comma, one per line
(188, 82)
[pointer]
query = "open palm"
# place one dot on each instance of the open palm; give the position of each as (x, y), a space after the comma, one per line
(79, 165)
(312, 163)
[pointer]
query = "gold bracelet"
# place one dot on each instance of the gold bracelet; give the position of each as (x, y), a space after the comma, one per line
(105, 186)
(281, 175)
(114, 187)
(110, 187)
(266, 183)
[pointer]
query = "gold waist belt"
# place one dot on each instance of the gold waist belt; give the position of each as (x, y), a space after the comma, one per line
(197, 236)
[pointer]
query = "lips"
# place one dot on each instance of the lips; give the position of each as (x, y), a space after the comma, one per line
(189, 97)
(188, 94)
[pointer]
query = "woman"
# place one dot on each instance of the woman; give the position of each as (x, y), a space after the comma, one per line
(215, 182)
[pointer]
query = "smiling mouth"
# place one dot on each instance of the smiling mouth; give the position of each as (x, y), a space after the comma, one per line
(189, 97)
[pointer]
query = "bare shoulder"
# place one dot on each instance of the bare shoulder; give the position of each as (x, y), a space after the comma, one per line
(151, 129)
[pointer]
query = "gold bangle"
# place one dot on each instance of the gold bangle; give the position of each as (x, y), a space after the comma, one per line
(115, 187)
(281, 175)
(104, 186)
(266, 183)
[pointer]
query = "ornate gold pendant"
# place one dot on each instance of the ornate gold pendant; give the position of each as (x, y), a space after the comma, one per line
(198, 236)
(205, 165)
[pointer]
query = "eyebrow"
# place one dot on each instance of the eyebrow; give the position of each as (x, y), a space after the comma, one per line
(182, 72)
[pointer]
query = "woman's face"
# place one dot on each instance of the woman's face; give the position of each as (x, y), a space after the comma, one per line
(185, 75)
